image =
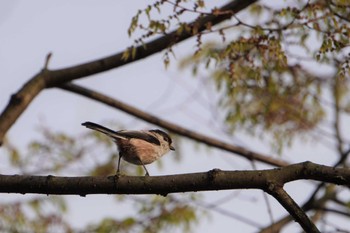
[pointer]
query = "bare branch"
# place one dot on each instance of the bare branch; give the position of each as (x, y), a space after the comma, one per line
(205, 181)
(20, 101)
(289, 204)
(65, 75)
(271, 181)
(212, 180)
(251, 155)
(47, 61)
(312, 203)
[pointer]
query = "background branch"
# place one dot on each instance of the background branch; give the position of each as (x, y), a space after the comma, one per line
(251, 155)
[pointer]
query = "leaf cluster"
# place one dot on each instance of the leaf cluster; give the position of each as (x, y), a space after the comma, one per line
(38, 214)
(156, 214)
(261, 74)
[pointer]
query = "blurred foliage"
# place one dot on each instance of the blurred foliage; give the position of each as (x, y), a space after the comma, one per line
(155, 214)
(38, 214)
(261, 60)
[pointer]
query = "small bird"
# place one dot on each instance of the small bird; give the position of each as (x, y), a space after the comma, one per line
(137, 147)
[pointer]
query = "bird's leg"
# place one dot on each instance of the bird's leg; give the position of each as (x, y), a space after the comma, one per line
(118, 169)
(147, 174)
(144, 167)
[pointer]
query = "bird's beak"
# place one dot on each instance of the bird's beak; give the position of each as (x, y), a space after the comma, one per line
(172, 148)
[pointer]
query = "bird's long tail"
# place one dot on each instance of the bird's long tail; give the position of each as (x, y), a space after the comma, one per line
(102, 129)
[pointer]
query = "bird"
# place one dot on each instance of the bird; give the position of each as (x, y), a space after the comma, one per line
(140, 147)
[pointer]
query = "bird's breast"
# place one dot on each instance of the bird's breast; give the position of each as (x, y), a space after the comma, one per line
(136, 151)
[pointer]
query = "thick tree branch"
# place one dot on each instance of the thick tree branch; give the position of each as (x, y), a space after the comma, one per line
(251, 155)
(19, 102)
(50, 78)
(271, 181)
(205, 181)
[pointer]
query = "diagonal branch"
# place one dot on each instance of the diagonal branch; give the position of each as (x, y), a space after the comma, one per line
(289, 204)
(311, 203)
(251, 155)
(65, 75)
(50, 78)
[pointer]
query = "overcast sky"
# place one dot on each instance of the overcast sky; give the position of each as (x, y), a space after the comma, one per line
(80, 31)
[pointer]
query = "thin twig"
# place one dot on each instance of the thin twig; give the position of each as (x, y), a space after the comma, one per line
(47, 61)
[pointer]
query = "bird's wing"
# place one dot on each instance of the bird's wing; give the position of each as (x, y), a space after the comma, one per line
(123, 134)
(139, 135)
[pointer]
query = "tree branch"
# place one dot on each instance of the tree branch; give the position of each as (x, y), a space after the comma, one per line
(205, 181)
(271, 181)
(19, 102)
(50, 78)
(289, 204)
(312, 203)
(65, 75)
(172, 127)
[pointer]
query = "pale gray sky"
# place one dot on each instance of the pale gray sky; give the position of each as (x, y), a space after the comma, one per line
(83, 30)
